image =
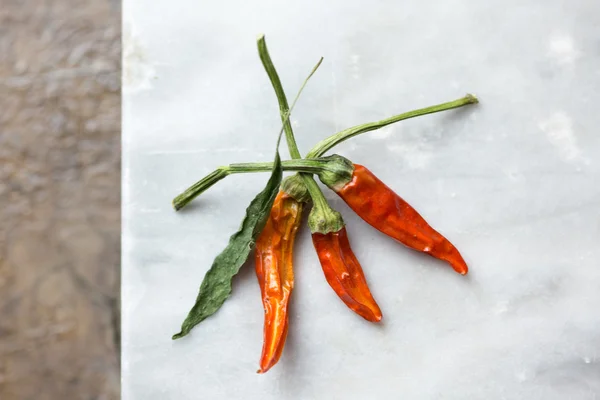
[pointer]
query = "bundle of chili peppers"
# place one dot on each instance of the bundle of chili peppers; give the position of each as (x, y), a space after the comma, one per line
(273, 218)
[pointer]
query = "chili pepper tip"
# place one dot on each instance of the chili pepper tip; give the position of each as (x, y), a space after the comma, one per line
(370, 314)
(461, 269)
(264, 368)
(376, 318)
(453, 257)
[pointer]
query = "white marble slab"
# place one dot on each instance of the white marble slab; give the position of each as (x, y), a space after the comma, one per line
(513, 182)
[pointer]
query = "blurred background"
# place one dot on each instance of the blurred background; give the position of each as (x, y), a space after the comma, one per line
(60, 199)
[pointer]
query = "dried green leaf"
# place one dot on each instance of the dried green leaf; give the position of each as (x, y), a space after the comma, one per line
(216, 286)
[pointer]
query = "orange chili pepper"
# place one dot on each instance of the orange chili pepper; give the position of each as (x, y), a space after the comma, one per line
(344, 273)
(274, 269)
(383, 209)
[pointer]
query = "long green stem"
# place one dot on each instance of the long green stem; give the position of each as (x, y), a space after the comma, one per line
(313, 189)
(310, 166)
(333, 140)
(265, 58)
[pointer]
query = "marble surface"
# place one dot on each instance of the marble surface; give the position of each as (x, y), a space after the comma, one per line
(513, 182)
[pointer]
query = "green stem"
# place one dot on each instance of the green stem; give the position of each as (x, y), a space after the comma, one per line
(310, 166)
(265, 57)
(316, 195)
(197, 188)
(314, 191)
(333, 140)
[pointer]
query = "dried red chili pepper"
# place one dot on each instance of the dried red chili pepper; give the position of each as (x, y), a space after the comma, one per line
(383, 209)
(342, 270)
(274, 269)
(344, 273)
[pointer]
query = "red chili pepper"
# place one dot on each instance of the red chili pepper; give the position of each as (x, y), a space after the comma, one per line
(274, 269)
(378, 205)
(344, 273)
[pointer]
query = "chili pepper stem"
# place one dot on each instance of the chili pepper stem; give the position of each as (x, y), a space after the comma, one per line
(333, 166)
(197, 188)
(324, 217)
(325, 145)
(265, 58)
(295, 187)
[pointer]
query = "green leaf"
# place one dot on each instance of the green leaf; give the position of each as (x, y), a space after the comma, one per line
(216, 286)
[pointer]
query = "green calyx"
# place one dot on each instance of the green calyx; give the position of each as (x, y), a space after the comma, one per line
(324, 219)
(334, 171)
(338, 172)
(295, 187)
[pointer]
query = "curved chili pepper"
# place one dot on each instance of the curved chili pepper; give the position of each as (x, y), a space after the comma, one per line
(383, 209)
(344, 273)
(274, 270)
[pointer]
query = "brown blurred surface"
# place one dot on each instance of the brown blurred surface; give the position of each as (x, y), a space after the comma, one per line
(60, 199)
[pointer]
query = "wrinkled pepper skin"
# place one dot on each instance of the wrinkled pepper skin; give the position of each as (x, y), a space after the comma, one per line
(344, 273)
(274, 270)
(383, 209)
